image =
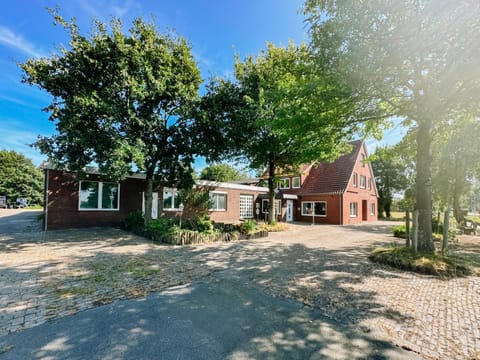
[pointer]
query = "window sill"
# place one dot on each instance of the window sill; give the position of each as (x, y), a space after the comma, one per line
(353, 216)
(89, 210)
(218, 210)
(176, 210)
(310, 215)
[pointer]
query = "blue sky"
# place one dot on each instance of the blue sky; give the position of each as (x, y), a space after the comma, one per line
(216, 29)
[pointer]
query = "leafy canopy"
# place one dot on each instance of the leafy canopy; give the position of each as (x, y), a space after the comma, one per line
(417, 59)
(120, 100)
(20, 178)
(221, 173)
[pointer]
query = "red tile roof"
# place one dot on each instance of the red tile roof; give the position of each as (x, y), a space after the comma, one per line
(331, 178)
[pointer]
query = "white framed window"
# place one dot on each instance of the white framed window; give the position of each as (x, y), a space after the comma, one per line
(284, 183)
(316, 208)
(372, 209)
(353, 209)
(296, 182)
(355, 179)
(246, 206)
(369, 183)
(171, 199)
(218, 201)
(98, 195)
(363, 181)
(363, 160)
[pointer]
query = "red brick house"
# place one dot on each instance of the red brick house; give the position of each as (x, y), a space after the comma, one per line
(342, 192)
(93, 201)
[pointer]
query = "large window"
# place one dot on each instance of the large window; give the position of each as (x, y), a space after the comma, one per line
(246, 206)
(97, 195)
(218, 201)
(296, 182)
(363, 181)
(353, 209)
(317, 208)
(171, 200)
(284, 183)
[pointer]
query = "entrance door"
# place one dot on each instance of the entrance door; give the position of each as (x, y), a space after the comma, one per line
(154, 204)
(364, 210)
(289, 216)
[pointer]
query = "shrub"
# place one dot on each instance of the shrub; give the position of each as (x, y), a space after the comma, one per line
(248, 227)
(134, 221)
(161, 228)
(400, 231)
(275, 226)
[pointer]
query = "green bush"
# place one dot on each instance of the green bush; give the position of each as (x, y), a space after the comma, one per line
(248, 227)
(202, 224)
(400, 231)
(134, 221)
(161, 228)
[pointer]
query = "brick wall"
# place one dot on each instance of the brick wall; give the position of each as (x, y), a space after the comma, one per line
(63, 201)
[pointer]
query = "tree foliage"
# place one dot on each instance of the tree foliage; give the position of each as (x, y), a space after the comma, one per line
(123, 102)
(280, 111)
(222, 173)
(457, 163)
(417, 59)
(20, 178)
(391, 176)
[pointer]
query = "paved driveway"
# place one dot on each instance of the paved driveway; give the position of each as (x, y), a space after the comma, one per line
(312, 288)
(18, 220)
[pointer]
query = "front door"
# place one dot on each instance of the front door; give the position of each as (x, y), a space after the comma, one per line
(364, 210)
(289, 216)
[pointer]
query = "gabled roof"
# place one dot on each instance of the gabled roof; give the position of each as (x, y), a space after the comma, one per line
(332, 178)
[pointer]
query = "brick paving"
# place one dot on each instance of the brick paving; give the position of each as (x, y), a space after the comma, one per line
(49, 275)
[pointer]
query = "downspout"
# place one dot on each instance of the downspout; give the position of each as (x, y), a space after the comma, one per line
(45, 218)
(341, 208)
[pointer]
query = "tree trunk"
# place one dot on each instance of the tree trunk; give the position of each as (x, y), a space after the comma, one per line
(423, 186)
(407, 227)
(148, 198)
(445, 229)
(459, 187)
(271, 188)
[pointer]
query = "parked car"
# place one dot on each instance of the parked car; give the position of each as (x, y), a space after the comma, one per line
(3, 202)
(21, 203)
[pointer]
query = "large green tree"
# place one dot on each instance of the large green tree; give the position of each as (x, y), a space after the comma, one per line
(20, 178)
(280, 111)
(456, 163)
(391, 176)
(222, 173)
(419, 59)
(122, 101)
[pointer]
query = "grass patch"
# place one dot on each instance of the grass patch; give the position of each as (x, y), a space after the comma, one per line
(275, 227)
(402, 257)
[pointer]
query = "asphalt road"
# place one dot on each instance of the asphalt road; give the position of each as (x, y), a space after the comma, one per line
(14, 221)
(226, 318)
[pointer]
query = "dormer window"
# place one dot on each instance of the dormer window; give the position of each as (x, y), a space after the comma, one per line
(296, 182)
(284, 183)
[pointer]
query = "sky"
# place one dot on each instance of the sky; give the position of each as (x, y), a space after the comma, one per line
(216, 29)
